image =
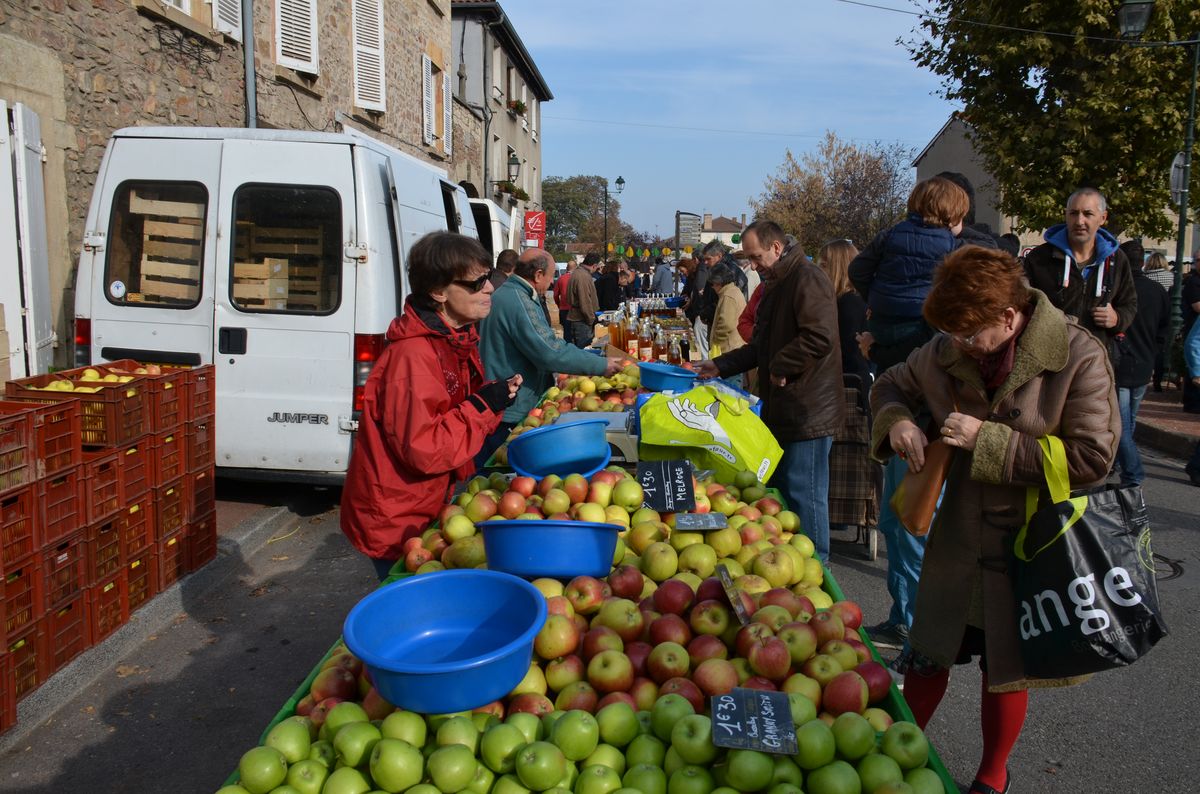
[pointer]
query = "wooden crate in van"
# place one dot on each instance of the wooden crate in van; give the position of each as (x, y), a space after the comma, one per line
(282, 241)
(268, 268)
(261, 289)
(171, 254)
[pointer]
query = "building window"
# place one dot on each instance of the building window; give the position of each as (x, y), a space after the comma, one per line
(369, 82)
(296, 35)
(437, 105)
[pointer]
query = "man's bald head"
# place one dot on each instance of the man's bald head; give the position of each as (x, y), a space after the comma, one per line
(533, 262)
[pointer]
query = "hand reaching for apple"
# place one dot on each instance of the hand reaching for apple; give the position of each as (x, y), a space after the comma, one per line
(614, 365)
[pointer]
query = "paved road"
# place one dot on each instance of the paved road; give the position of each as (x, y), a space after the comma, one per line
(176, 713)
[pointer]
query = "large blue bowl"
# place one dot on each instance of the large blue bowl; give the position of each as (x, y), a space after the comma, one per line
(666, 377)
(556, 549)
(447, 641)
(574, 448)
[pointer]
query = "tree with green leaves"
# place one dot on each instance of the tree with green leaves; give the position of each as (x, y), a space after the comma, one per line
(840, 191)
(575, 211)
(1055, 101)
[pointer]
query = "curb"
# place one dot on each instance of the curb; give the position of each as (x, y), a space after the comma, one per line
(233, 546)
(1168, 442)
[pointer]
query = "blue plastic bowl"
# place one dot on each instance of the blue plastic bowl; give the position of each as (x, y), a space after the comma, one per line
(673, 303)
(574, 448)
(557, 549)
(447, 641)
(666, 377)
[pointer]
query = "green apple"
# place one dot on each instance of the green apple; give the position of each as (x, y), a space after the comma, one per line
(484, 720)
(292, 738)
(606, 755)
(435, 721)
(451, 767)
(262, 769)
(530, 725)
(232, 790)
(423, 788)
(645, 749)
(598, 779)
(346, 780)
(815, 743)
(307, 776)
(548, 720)
(786, 772)
(838, 777)
(700, 559)
(407, 726)
(853, 735)
(924, 781)
(692, 738)
(618, 724)
(876, 769)
(459, 730)
(322, 751)
(541, 765)
(483, 781)
(343, 714)
(577, 734)
(509, 784)
(499, 746)
(905, 743)
(396, 765)
(668, 710)
(690, 780)
(803, 710)
(355, 741)
(672, 762)
(646, 779)
(749, 770)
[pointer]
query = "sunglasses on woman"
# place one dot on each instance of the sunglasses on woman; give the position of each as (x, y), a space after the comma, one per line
(475, 284)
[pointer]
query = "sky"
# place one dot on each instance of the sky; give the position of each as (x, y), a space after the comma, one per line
(696, 103)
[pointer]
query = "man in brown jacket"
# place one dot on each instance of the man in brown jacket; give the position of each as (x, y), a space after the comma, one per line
(799, 359)
(581, 295)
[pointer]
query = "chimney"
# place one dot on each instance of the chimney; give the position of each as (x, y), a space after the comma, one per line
(743, 220)
(707, 221)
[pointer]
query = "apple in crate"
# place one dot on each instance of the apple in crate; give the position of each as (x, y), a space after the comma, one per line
(611, 671)
(622, 616)
(585, 593)
(601, 638)
(879, 680)
(626, 581)
(668, 660)
(670, 628)
(847, 692)
(715, 676)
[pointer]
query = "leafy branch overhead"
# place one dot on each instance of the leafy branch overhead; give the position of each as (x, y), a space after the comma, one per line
(1051, 113)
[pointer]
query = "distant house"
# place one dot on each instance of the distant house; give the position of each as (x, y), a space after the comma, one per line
(951, 150)
(727, 230)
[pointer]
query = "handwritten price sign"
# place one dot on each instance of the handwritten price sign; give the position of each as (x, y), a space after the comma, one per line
(751, 719)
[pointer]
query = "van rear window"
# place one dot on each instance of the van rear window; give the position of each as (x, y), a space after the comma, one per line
(156, 245)
(287, 249)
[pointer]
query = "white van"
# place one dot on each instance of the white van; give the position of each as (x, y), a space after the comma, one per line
(495, 226)
(278, 256)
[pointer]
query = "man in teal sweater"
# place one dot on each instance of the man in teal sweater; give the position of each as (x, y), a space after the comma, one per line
(516, 337)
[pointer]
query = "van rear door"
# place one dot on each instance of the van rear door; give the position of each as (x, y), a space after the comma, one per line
(285, 306)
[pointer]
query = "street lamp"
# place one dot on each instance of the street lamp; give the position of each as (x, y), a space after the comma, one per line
(604, 242)
(1132, 19)
(514, 170)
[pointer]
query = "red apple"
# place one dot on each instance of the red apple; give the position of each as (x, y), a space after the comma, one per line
(644, 692)
(768, 506)
(673, 596)
(638, 652)
(601, 638)
(715, 677)
(781, 596)
(559, 605)
(847, 692)
(687, 688)
(576, 487)
(773, 615)
(616, 697)
(304, 705)
(849, 612)
(749, 635)
(606, 476)
(801, 640)
(626, 581)
(374, 704)
(523, 485)
(670, 628)
(879, 680)
(880, 720)
(863, 652)
(512, 504)
(668, 660)
(770, 658)
(334, 682)
(548, 482)
(579, 695)
(704, 647)
(610, 671)
(758, 682)
(585, 593)
(495, 708)
(530, 703)
(828, 625)
(563, 671)
(711, 589)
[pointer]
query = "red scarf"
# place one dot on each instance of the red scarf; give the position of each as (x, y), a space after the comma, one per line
(995, 367)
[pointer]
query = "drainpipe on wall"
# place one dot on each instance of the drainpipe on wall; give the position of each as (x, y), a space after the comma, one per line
(248, 58)
(487, 106)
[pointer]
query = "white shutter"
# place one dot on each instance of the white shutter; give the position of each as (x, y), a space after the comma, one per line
(368, 55)
(227, 17)
(296, 34)
(533, 114)
(427, 109)
(447, 113)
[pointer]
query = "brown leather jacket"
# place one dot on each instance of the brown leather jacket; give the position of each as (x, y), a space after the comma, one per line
(795, 337)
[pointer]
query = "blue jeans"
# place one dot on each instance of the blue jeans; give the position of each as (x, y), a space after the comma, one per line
(803, 478)
(581, 333)
(1128, 460)
(904, 551)
(566, 326)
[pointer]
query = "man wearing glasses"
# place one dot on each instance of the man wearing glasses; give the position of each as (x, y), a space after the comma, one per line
(517, 338)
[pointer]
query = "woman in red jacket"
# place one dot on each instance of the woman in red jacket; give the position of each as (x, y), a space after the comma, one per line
(426, 410)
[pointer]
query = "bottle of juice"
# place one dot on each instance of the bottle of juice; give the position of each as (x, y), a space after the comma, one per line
(675, 352)
(660, 345)
(614, 331)
(632, 345)
(645, 342)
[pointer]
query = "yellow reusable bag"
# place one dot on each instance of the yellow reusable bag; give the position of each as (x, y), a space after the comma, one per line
(711, 428)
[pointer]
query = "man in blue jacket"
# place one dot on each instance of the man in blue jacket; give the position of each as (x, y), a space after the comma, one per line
(516, 337)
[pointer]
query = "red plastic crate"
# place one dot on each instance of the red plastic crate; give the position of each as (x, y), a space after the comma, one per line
(202, 492)
(137, 467)
(104, 553)
(137, 525)
(114, 414)
(142, 578)
(170, 453)
(202, 393)
(55, 435)
(201, 444)
(60, 505)
(172, 559)
(8, 703)
(16, 446)
(18, 528)
(64, 570)
(108, 606)
(25, 657)
(66, 633)
(22, 602)
(170, 508)
(102, 486)
(202, 541)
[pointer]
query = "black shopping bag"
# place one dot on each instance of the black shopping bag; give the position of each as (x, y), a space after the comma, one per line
(1083, 578)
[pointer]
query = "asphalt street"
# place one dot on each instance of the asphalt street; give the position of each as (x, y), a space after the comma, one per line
(176, 712)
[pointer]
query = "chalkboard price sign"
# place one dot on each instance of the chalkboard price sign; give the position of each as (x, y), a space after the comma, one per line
(700, 522)
(753, 719)
(667, 485)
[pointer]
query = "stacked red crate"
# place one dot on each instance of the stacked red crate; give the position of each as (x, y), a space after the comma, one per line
(8, 702)
(64, 571)
(142, 578)
(26, 663)
(66, 633)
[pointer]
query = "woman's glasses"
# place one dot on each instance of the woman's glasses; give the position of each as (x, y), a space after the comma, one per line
(474, 285)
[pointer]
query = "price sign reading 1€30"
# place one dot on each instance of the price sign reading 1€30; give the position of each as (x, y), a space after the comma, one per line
(752, 719)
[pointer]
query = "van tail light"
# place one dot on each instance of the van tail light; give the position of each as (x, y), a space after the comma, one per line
(367, 350)
(83, 341)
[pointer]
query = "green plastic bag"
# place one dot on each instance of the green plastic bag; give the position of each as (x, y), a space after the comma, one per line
(712, 429)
